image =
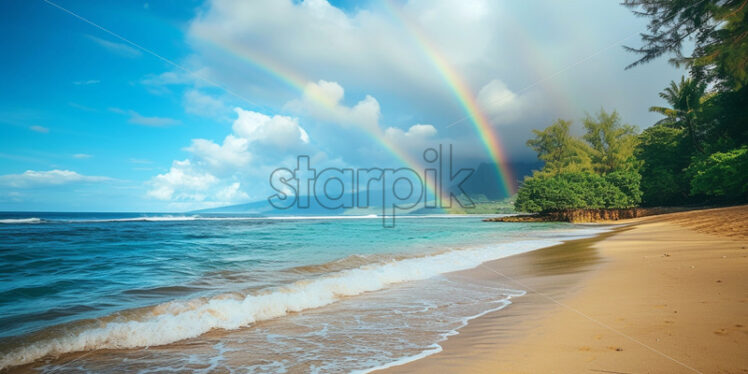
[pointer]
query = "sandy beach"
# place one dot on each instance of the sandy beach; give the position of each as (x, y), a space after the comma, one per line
(662, 294)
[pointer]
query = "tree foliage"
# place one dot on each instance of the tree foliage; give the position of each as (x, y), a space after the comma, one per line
(561, 151)
(593, 172)
(576, 190)
(718, 28)
(697, 152)
(723, 120)
(721, 174)
(694, 154)
(664, 152)
(628, 181)
(611, 142)
(685, 100)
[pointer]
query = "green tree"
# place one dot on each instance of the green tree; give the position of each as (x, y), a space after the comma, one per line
(596, 172)
(685, 100)
(722, 175)
(723, 118)
(611, 142)
(665, 153)
(718, 28)
(711, 162)
(629, 183)
(561, 151)
(570, 190)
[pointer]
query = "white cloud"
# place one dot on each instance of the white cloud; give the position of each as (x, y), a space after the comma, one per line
(280, 131)
(415, 131)
(121, 49)
(160, 84)
(166, 78)
(372, 49)
(406, 62)
(187, 186)
(291, 33)
(81, 156)
(260, 143)
(182, 182)
(501, 104)
(212, 175)
(201, 104)
(232, 193)
(39, 129)
(413, 53)
(331, 91)
(322, 100)
(417, 137)
(33, 178)
(233, 153)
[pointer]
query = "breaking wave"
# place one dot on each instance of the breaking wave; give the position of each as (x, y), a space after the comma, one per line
(177, 320)
(21, 220)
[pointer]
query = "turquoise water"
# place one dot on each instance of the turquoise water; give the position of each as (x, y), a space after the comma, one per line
(89, 282)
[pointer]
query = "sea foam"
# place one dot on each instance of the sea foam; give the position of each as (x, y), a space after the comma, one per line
(169, 218)
(21, 220)
(177, 320)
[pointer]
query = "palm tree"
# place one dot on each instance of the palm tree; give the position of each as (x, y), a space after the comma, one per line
(685, 99)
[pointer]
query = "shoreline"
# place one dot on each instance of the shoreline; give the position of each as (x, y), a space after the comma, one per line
(552, 278)
(643, 301)
(603, 215)
(578, 263)
(467, 259)
(557, 269)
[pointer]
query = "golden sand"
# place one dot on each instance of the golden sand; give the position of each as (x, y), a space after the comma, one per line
(666, 294)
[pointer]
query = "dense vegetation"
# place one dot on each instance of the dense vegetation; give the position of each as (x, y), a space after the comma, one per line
(598, 170)
(481, 205)
(696, 154)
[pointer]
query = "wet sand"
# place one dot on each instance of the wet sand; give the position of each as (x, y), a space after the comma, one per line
(663, 294)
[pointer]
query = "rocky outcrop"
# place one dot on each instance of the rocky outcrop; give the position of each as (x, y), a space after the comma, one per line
(585, 215)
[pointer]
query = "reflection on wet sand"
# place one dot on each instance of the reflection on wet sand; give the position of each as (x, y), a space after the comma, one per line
(554, 272)
(370, 330)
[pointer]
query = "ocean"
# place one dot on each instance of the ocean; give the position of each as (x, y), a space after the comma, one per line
(108, 292)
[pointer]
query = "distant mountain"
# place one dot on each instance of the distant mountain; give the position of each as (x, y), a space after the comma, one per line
(483, 186)
(485, 180)
(264, 208)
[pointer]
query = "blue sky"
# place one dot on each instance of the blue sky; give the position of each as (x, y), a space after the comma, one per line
(92, 123)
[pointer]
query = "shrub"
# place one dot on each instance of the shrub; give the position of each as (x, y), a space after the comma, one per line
(543, 193)
(721, 174)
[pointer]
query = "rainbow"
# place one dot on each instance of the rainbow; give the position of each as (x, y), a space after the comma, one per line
(487, 134)
(299, 84)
